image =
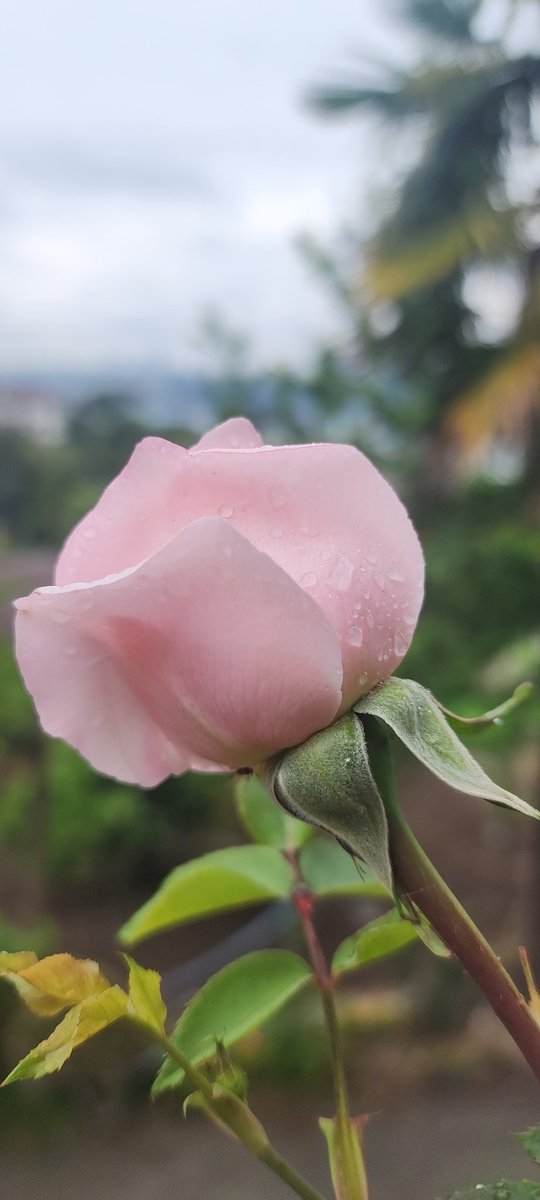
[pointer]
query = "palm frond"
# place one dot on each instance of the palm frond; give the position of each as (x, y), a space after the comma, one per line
(478, 232)
(500, 404)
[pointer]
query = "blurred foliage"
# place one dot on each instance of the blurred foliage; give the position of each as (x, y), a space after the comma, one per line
(448, 408)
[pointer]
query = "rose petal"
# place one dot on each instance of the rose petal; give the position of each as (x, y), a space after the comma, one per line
(323, 512)
(235, 434)
(327, 516)
(207, 653)
(136, 515)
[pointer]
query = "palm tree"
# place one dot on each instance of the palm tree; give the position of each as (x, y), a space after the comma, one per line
(471, 105)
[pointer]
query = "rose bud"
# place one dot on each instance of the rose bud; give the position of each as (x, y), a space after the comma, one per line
(220, 604)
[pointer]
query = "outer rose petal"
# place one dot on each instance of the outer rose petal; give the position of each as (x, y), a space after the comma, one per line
(327, 516)
(207, 653)
(146, 505)
(235, 434)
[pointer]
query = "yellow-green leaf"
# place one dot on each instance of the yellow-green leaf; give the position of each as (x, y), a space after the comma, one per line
(145, 1001)
(50, 984)
(79, 1024)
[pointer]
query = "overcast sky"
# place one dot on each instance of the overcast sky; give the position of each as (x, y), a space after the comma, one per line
(155, 160)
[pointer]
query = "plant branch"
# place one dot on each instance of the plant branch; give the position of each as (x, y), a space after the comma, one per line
(351, 1180)
(230, 1111)
(418, 882)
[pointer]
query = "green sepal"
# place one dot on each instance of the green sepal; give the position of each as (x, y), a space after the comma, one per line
(329, 870)
(413, 714)
(327, 781)
(495, 716)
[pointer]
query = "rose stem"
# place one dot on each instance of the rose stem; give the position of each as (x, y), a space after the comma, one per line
(241, 1122)
(417, 880)
(304, 900)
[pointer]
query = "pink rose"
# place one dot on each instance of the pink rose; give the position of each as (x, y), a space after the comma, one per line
(221, 604)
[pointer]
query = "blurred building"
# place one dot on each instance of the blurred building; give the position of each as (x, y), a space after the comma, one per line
(39, 414)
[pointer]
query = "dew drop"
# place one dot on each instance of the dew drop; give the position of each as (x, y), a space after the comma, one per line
(367, 595)
(401, 643)
(341, 575)
(225, 511)
(77, 553)
(326, 554)
(363, 678)
(308, 580)
(396, 577)
(355, 635)
(89, 532)
(409, 620)
(370, 618)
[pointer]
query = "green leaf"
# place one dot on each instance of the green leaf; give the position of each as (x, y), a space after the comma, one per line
(415, 717)
(327, 781)
(380, 938)
(145, 1001)
(78, 1025)
(239, 998)
(332, 871)
(505, 1189)
(218, 881)
(530, 1140)
(264, 820)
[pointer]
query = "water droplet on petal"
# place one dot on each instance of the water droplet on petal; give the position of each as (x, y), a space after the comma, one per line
(396, 577)
(89, 532)
(370, 618)
(409, 620)
(308, 580)
(341, 575)
(355, 635)
(77, 553)
(326, 554)
(401, 644)
(225, 511)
